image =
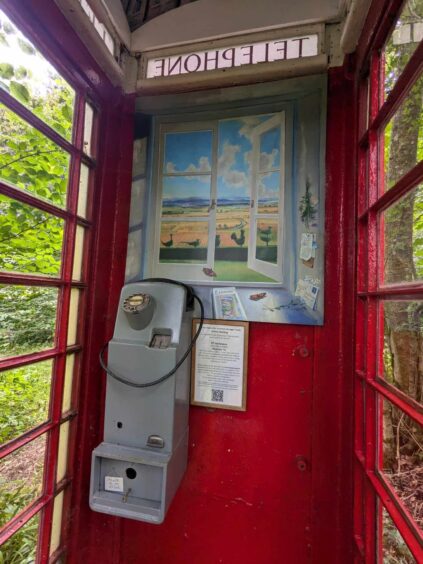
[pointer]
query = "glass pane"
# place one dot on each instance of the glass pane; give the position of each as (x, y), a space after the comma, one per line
(403, 334)
(403, 42)
(56, 527)
(267, 240)
(24, 398)
(188, 152)
(68, 384)
(186, 196)
(403, 136)
(270, 150)
(30, 161)
(30, 239)
(32, 80)
(403, 233)
(269, 192)
(27, 319)
(394, 548)
(62, 457)
(21, 548)
(88, 129)
(83, 190)
(401, 458)
(78, 253)
(73, 317)
(21, 478)
(184, 241)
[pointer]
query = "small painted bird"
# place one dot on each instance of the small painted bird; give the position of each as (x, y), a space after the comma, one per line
(168, 243)
(192, 243)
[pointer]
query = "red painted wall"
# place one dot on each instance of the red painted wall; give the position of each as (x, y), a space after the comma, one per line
(244, 498)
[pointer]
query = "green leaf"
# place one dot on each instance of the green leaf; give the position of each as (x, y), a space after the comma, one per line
(8, 28)
(19, 91)
(67, 112)
(6, 70)
(21, 72)
(26, 47)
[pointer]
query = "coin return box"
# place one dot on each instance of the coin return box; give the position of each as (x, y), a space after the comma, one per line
(134, 483)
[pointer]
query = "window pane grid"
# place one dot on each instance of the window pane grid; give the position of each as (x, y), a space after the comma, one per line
(75, 217)
(52, 427)
(376, 286)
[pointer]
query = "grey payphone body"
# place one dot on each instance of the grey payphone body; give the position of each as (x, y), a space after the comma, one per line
(137, 469)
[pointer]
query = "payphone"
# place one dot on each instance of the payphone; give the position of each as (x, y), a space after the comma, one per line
(137, 469)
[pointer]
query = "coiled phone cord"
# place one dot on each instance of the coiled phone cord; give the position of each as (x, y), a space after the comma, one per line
(122, 379)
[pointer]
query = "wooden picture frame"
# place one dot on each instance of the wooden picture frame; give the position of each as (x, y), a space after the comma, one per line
(223, 352)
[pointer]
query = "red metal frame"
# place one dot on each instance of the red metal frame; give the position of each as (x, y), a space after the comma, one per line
(370, 389)
(45, 26)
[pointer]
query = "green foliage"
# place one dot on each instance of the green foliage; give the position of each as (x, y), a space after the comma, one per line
(27, 319)
(395, 551)
(30, 239)
(307, 208)
(31, 161)
(21, 547)
(24, 399)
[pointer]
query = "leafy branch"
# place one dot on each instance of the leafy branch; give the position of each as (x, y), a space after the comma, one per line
(33, 154)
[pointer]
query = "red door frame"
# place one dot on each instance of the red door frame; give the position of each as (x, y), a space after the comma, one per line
(372, 491)
(45, 25)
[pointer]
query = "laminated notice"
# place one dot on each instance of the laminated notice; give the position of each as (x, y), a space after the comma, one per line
(113, 484)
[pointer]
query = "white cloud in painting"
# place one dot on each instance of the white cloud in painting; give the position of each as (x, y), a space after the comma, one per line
(267, 160)
(268, 185)
(203, 166)
(232, 177)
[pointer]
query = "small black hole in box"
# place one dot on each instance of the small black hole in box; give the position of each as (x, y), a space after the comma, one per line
(119, 424)
(131, 473)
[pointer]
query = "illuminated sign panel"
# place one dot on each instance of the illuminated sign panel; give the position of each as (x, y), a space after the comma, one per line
(230, 57)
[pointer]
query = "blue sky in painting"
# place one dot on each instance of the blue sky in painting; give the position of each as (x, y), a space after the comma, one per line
(234, 154)
(188, 152)
(191, 152)
(270, 143)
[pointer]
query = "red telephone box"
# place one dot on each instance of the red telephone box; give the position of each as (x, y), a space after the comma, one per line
(325, 463)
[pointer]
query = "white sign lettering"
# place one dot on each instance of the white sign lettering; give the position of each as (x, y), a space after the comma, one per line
(229, 57)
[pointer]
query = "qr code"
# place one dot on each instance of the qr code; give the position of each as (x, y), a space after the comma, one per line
(217, 395)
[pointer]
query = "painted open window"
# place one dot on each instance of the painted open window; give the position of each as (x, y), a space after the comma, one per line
(236, 200)
(221, 200)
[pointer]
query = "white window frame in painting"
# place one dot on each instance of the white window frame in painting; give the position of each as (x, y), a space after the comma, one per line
(193, 273)
(186, 271)
(271, 270)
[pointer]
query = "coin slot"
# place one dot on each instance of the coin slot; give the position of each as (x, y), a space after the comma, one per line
(131, 473)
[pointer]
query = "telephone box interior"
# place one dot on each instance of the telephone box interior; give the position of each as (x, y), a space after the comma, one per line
(172, 169)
